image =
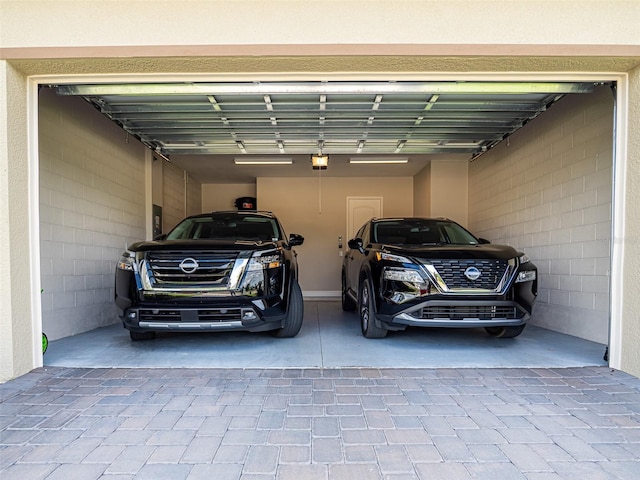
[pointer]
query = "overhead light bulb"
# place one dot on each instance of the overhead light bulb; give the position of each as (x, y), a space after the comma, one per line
(319, 162)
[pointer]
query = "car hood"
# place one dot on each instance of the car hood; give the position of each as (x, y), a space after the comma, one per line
(236, 245)
(481, 251)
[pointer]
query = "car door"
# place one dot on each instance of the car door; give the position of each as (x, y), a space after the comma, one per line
(354, 259)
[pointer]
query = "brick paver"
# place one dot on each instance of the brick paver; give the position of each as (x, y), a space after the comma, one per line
(325, 424)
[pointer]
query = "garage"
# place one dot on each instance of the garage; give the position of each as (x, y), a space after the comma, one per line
(77, 185)
(527, 163)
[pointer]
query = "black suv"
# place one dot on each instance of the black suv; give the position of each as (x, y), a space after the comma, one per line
(425, 272)
(218, 271)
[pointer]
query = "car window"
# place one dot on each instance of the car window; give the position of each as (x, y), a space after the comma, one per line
(421, 232)
(457, 235)
(227, 227)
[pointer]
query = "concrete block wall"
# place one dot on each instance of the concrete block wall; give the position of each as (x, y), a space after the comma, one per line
(547, 190)
(91, 206)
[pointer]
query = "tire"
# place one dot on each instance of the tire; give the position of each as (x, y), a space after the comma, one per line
(295, 313)
(348, 305)
(140, 336)
(366, 312)
(505, 332)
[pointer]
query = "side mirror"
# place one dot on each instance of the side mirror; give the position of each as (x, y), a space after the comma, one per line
(160, 237)
(356, 244)
(484, 241)
(295, 239)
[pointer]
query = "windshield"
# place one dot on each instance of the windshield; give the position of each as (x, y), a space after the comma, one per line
(227, 227)
(421, 232)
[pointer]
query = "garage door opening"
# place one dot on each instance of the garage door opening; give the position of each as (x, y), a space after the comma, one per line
(542, 183)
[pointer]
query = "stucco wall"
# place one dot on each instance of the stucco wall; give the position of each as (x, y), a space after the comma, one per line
(17, 340)
(630, 308)
(223, 22)
(547, 191)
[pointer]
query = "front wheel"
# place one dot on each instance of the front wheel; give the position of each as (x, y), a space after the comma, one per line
(505, 332)
(366, 310)
(295, 313)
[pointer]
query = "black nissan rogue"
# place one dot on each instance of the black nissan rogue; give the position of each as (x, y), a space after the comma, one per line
(402, 272)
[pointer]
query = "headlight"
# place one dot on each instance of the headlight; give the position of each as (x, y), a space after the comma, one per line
(263, 275)
(392, 258)
(402, 275)
(526, 276)
(127, 261)
(264, 262)
(401, 285)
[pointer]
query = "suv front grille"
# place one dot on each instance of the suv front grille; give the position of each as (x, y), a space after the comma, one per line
(452, 273)
(212, 268)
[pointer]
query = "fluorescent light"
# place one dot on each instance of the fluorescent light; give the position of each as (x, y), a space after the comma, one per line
(378, 160)
(262, 161)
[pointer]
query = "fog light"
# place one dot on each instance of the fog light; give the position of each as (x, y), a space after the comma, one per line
(132, 315)
(248, 315)
(526, 276)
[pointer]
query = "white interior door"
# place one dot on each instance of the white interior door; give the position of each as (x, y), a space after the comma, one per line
(359, 210)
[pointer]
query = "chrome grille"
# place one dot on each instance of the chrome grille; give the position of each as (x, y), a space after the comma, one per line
(213, 268)
(460, 312)
(452, 273)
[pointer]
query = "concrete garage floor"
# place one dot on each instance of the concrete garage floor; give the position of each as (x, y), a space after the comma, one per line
(330, 338)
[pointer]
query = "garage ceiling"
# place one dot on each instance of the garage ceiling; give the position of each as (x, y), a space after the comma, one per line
(199, 125)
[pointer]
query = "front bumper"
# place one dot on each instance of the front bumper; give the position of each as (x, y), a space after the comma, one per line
(457, 313)
(249, 316)
(223, 310)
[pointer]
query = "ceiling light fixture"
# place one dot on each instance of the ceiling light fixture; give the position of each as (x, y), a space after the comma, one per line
(320, 162)
(378, 160)
(262, 161)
